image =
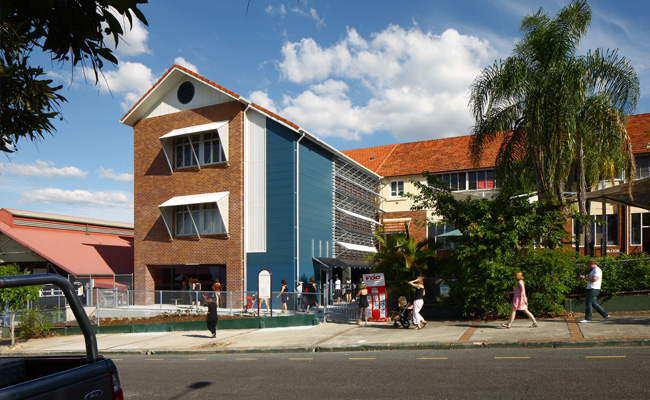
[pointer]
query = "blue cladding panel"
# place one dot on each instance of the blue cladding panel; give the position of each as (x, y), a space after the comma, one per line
(316, 205)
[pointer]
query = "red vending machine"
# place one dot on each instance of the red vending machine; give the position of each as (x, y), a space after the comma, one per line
(376, 296)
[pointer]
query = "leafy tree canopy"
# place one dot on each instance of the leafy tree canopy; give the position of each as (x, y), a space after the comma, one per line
(15, 298)
(70, 31)
(500, 235)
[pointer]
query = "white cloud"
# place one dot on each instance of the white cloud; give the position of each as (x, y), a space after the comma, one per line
(81, 197)
(131, 80)
(43, 169)
(276, 10)
(134, 40)
(262, 98)
(184, 63)
(111, 174)
(416, 83)
(312, 13)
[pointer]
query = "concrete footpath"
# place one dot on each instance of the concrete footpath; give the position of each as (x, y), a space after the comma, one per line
(622, 329)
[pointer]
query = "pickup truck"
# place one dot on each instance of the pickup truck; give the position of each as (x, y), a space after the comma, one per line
(89, 377)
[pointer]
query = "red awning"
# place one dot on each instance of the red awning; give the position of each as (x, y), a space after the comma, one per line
(76, 251)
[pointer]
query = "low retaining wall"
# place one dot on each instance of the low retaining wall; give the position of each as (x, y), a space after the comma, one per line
(639, 302)
(233, 323)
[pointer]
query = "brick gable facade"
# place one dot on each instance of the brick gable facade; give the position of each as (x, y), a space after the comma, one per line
(154, 183)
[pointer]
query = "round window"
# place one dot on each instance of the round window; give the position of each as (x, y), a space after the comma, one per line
(185, 92)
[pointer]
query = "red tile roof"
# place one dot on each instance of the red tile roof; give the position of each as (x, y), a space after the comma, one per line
(638, 129)
(70, 244)
(452, 154)
(435, 156)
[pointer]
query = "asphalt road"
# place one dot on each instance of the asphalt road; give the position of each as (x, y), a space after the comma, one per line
(594, 373)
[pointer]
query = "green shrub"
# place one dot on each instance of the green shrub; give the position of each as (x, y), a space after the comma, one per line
(625, 273)
(34, 323)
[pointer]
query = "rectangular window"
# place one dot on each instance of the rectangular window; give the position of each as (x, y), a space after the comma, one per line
(455, 181)
(479, 180)
(445, 243)
(642, 167)
(397, 189)
(206, 217)
(636, 228)
(612, 230)
(204, 146)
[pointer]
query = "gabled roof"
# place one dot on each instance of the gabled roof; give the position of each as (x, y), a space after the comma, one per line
(177, 72)
(77, 245)
(452, 154)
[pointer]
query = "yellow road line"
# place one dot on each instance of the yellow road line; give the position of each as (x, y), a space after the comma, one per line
(362, 358)
(502, 358)
(196, 359)
(297, 359)
(432, 358)
(153, 359)
(605, 356)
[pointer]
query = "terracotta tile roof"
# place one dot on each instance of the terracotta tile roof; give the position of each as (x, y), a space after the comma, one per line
(396, 225)
(439, 155)
(452, 154)
(638, 128)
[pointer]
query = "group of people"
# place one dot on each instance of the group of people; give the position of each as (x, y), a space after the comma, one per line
(307, 296)
(594, 281)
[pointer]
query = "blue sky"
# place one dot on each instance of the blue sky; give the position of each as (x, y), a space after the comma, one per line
(354, 73)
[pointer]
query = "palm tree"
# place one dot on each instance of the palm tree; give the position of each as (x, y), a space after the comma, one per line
(401, 258)
(552, 109)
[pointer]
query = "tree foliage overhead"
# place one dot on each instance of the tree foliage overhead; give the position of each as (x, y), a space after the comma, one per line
(556, 114)
(72, 31)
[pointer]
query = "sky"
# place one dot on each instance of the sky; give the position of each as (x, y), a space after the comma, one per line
(353, 73)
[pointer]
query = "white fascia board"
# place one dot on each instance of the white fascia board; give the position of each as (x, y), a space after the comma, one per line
(357, 247)
(358, 216)
(194, 129)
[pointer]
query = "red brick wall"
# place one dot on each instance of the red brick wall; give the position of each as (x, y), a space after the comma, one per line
(154, 184)
(418, 232)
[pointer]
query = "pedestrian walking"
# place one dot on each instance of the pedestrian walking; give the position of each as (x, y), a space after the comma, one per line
(195, 286)
(348, 290)
(217, 288)
(299, 296)
(211, 318)
(362, 294)
(284, 292)
(418, 302)
(594, 281)
(519, 301)
(311, 299)
(337, 289)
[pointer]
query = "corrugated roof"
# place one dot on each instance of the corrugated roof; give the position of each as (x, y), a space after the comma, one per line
(73, 250)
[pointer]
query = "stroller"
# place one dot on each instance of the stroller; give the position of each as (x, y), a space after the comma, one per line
(405, 313)
(249, 305)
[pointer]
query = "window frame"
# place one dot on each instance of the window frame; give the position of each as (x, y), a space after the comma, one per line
(397, 189)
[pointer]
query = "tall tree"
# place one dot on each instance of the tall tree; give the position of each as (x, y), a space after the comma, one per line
(69, 30)
(551, 109)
